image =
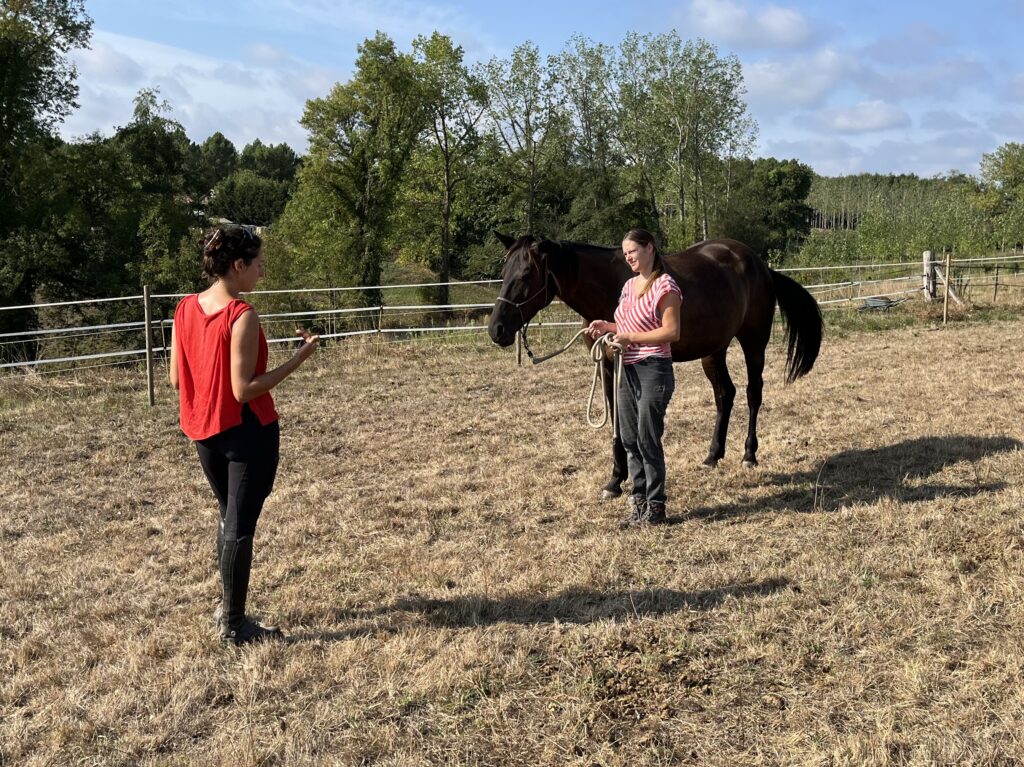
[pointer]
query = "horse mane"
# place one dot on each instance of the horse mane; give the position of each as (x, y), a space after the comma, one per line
(588, 247)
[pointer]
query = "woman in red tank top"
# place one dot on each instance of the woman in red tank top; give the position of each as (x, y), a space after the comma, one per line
(219, 367)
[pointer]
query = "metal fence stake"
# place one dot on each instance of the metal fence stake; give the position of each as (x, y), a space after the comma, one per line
(148, 322)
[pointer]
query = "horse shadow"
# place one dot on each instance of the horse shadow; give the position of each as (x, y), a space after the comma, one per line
(869, 475)
(572, 606)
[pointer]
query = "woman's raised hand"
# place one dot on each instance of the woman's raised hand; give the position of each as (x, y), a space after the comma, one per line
(310, 343)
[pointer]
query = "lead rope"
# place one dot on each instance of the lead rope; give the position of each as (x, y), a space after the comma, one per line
(597, 354)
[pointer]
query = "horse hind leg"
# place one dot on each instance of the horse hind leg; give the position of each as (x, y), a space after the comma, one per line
(725, 394)
(753, 353)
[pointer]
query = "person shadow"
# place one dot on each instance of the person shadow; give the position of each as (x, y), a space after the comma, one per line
(906, 471)
(577, 605)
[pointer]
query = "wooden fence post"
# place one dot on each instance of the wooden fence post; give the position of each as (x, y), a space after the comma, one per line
(147, 314)
(519, 348)
(928, 275)
(945, 292)
(995, 285)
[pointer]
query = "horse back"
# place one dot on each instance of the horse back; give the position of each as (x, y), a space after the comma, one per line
(722, 281)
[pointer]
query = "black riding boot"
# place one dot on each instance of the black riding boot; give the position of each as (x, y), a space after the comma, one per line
(235, 564)
(218, 611)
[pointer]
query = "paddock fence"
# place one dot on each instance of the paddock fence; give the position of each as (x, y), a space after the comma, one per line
(95, 333)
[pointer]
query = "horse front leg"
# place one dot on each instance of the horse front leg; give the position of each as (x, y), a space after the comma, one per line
(613, 488)
(725, 394)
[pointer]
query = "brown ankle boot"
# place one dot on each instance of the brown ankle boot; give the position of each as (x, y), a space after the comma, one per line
(637, 511)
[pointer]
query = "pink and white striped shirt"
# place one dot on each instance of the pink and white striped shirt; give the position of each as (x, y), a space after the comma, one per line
(640, 315)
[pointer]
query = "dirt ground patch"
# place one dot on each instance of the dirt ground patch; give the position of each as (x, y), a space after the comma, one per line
(455, 591)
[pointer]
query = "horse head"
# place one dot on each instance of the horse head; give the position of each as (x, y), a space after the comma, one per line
(527, 285)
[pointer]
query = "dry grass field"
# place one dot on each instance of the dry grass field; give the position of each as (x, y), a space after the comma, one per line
(455, 592)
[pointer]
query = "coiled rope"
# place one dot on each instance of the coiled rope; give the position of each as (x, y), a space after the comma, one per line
(597, 354)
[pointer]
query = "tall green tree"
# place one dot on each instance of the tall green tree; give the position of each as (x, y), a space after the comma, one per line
(698, 109)
(638, 136)
(1004, 168)
(526, 110)
(38, 89)
(586, 73)
(274, 161)
(768, 206)
(156, 151)
(38, 85)
(361, 136)
(206, 165)
(245, 197)
(455, 101)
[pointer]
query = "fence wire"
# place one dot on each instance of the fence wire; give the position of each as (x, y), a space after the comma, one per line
(109, 342)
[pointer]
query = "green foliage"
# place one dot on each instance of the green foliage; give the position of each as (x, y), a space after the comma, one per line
(206, 165)
(37, 91)
(830, 246)
(883, 218)
(1004, 169)
(454, 101)
(37, 80)
(361, 136)
(245, 197)
(417, 158)
(274, 161)
(766, 206)
(526, 110)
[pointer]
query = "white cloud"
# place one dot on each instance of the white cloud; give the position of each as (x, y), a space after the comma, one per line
(805, 81)
(829, 156)
(953, 150)
(402, 20)
(865, 117)
(916, 43)
(1016, 87)
(1007, 124)
(103, 63)
(265, 54)
(942, 80)
(946, 120)
(733, 24)
(263, 97)
(926, 157)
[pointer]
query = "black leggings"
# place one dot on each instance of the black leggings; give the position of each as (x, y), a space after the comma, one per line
(241, 464)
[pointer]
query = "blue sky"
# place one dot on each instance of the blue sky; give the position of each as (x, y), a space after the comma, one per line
(887, 87)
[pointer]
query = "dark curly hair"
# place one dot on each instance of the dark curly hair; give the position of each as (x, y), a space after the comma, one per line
(222, 246)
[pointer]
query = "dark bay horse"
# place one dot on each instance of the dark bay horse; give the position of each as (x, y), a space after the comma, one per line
(728, 292)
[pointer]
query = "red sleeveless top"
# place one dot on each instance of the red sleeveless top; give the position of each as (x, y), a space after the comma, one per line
(208, 406)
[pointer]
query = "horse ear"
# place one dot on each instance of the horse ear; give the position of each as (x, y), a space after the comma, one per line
(542, 246)
(505, 240)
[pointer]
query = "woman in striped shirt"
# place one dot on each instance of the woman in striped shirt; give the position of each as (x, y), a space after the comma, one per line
(646, 323)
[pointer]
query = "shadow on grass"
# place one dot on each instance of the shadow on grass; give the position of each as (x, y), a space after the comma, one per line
(577, 605)
(870, 475)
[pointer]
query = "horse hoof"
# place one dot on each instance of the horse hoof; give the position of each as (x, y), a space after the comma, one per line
(749, 463)
(607, 494)
(710, 463)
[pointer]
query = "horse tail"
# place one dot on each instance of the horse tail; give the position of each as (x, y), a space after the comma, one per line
(804, 326)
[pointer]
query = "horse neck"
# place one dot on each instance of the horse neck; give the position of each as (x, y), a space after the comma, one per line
(592, 286)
